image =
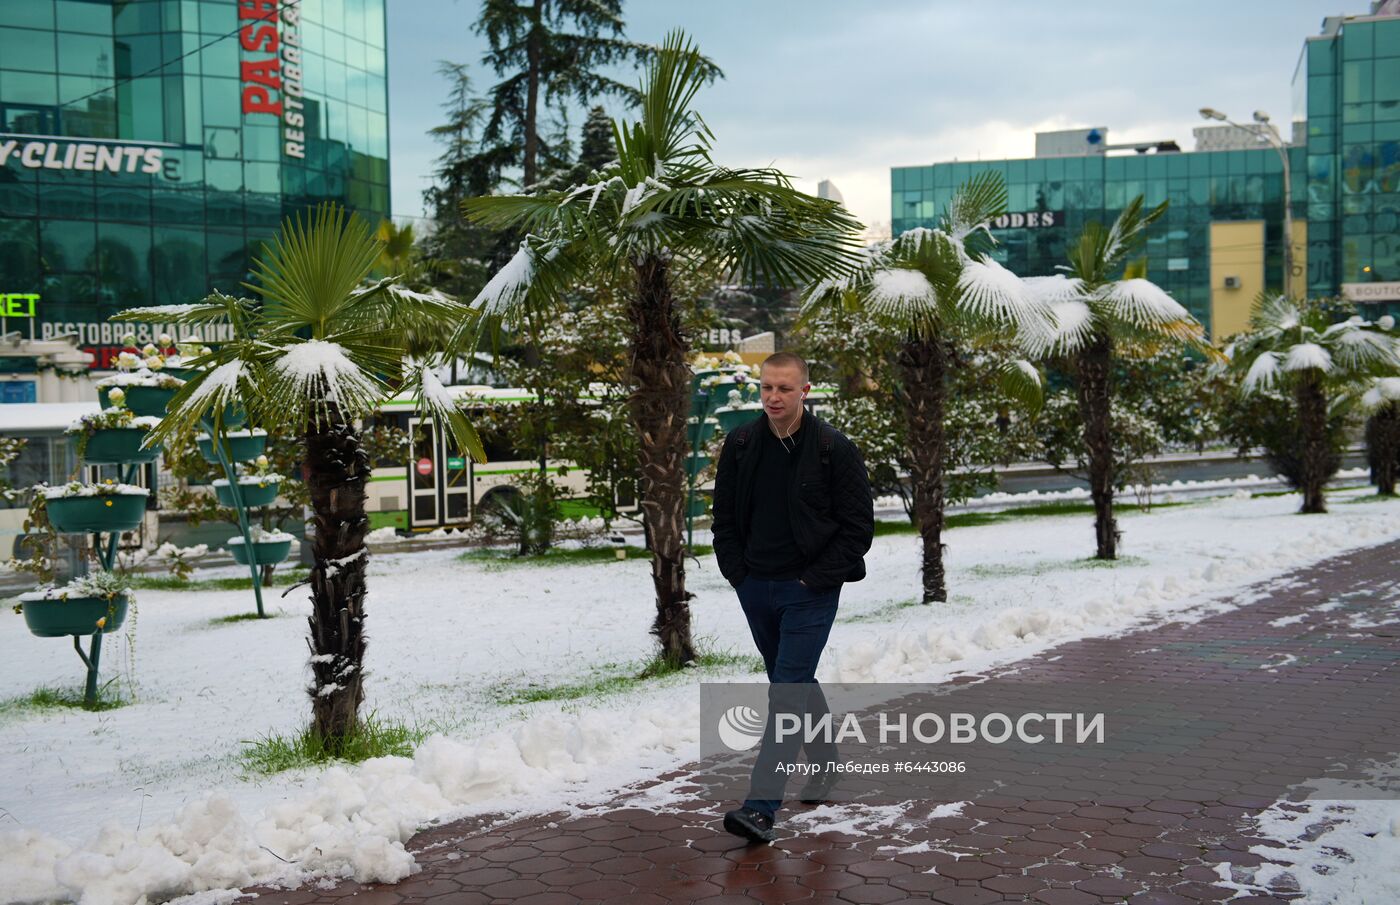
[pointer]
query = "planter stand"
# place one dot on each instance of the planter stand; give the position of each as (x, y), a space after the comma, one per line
(221, 448)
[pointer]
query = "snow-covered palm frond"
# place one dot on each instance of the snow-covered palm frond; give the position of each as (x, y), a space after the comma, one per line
(1141, 303)
(1357, 348)
(310, 376)
(1382, 392)
(1273, 315)
(901, 294)
(1071, 326)
(437, 401)
(1021, 381)
(989, 290)
(1306, 356)
(1263, 373)
(507, 289)
(975, 205)
(1054, 289)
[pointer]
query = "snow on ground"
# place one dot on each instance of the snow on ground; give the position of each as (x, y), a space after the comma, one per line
(149, 800)
(1334, 850)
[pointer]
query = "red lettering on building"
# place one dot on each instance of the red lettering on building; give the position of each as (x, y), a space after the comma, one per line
(262, 79)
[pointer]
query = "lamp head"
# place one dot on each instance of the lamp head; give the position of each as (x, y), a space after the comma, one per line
(1260, 116)
(1211, 113)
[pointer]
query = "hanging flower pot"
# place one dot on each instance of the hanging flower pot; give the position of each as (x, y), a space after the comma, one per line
(269, 548)
(81, 508)
(700, 431)
(732, 417)
(695, 464)
(699, 506)
(242, 445)
(257, 490)
(144, 392)
(80, 608)
(113, 436)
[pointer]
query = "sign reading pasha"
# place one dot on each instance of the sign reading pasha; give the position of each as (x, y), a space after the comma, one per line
(272, 84)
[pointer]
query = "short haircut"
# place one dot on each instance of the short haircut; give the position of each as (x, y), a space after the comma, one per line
(787, 360)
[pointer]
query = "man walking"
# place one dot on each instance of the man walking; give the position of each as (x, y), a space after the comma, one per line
(793, 519)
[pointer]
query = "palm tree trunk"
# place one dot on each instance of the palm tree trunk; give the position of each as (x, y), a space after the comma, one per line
(1313, 463)
(337, 469)
(924, 364)
(1094, 364)
(1383, 438)
(659, 404)
(530, 153)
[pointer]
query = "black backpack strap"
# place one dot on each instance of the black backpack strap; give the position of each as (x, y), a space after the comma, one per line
(827, 435)
(741, 439)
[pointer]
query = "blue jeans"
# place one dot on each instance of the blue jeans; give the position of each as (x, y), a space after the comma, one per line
(790, 625)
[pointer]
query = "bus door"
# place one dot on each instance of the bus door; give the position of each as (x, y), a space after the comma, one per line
(439, 478)
(456, 482)
(423, 460)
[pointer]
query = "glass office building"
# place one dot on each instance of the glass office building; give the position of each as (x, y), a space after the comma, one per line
(1221, 239)
(149, 147)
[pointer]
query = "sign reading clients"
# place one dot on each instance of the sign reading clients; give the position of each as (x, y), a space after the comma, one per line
(272, 84)
(62, 154)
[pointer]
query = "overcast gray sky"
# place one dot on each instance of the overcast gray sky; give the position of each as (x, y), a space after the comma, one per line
(845, 90)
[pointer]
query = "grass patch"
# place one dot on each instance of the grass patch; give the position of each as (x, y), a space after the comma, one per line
(49, 698)
(564, 555)
(1035, 510)
(879, 614)
(1002, 570)
(242, 617)
(613, 678)
(280, 579)
(373, 738)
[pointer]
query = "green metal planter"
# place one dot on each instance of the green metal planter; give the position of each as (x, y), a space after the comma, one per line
(105, 513)
(182, 373)
(241, 448)
(115, 446)
(732, 418)
(74, 616)
(265, 553)
(261, 494)
(143, 401)
(699, 506)
(700, 431)
(695, 464)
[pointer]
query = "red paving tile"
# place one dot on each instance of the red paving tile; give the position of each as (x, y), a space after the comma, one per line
(1048, 843)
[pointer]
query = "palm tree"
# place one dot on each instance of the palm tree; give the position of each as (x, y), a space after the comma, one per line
(661, 206)
(1297, 346)
(1098, 317)
(939, 288)
(321, 350)
(1382, 402)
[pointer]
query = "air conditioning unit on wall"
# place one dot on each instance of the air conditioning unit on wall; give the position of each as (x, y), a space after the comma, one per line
(1232, 282)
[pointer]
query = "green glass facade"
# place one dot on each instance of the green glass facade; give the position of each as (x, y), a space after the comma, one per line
(1345, 184)
(1348, 89)
(150, 146)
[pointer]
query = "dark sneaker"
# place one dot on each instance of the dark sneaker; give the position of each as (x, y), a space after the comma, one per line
(818, 788)
(749, 824)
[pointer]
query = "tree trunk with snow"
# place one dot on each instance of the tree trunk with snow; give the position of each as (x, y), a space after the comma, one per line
(659, 405)
(924, 364)
(337, 469)
(1383, 442)
(1093, 367)
(1314, 467)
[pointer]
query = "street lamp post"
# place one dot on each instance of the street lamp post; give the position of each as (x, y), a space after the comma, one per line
(1266, 130)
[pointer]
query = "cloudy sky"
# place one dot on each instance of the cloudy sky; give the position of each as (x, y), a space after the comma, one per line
(845, 90)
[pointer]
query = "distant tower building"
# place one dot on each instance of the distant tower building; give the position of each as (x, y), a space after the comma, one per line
(828, 190)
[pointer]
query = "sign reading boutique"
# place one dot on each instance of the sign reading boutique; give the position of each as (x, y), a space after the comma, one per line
(273, 84)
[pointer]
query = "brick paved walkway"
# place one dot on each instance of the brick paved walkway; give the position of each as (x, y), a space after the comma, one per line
(1056, 848)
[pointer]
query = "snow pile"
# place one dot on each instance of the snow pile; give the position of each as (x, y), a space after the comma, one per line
(351, 823)
(77, 489)
(383, 535)
(261, 535)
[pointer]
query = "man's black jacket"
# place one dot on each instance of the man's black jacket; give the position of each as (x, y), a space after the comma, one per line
(831, 507)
